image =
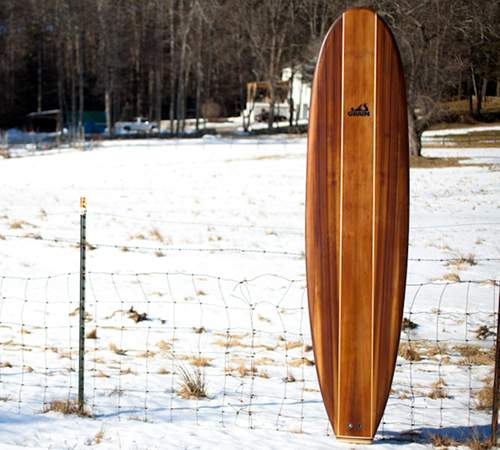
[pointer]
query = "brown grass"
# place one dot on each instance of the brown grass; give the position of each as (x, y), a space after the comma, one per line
(443, 441)
(66, 407)
(200, 361)
(199, 330)
(193, 384)
(92, 334)
(163, 345)
(117, 350)
(484, 397)
(435, 350)
(264, 361)
(127, 371)
(476, 443)
(163, 371)
(156, 235)
(297, 362)
(308, 348)
(475, 355)
(17, 224)
(462, 261)
(100, 374)
(263, 319)
(289, 345)
(438, 390)
(408, 352)
(230, 342)
(5, 365)
(451, 276)
(139, 237)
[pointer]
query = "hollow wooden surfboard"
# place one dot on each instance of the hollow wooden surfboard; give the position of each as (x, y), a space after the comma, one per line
(357, 206)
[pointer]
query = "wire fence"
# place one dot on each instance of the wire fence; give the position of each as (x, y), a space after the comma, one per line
(198, 347)
(486, 139)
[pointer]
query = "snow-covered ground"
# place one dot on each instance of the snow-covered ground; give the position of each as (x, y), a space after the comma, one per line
(205, 237)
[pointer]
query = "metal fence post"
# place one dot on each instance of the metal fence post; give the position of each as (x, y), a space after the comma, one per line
(81, 336)
(494, 412)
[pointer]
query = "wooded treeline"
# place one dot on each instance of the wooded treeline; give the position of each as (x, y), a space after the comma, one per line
(165, 59)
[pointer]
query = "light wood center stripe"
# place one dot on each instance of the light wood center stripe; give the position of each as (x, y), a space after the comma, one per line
(374, 162)
(341, 221)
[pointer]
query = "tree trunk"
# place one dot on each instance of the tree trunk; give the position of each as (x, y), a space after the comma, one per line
(414, 135)
(158, 97)
(290, 102)
(39, 77)
(172, 69)
(107, 108)
(498, 87)
(476, 91)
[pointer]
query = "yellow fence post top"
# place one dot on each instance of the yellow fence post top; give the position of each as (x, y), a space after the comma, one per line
(83, 204)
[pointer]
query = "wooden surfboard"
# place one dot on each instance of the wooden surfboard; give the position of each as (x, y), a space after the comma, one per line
(357, 210)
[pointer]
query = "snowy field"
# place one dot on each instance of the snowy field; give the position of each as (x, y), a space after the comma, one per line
(195, 259)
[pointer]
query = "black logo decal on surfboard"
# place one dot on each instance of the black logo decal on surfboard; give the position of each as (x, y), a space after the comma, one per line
(361, 110)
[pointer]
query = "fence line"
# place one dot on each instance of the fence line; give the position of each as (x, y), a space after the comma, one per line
(248, 340)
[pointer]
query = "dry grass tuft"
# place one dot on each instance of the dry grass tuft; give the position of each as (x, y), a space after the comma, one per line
(476, 443)
(264, 361)
(66, 407)
(438, 390)
(308, 348)
(442, 441)
(297, 362)
(200, 361)
(230, 342)
(193, 384)
(200, 292)
(484, 397)
(475, 355)
(407, 352)
(199, 330)
(436, 350)
(100, 374)
(99, 436)
(17, 224)
(163, 345)
(127, 371)
(156, 235)
(5, 365)
(117, 350)
(451, 276)
(138, 237)
(135, 316)
(163, 371)
(263, 319)
(92, 334)
(289, 345)
(461, 262)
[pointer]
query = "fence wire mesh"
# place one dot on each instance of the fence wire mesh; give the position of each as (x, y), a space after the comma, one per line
(203, 348)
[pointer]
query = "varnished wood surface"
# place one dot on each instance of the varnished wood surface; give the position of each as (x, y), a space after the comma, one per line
(357, 219)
